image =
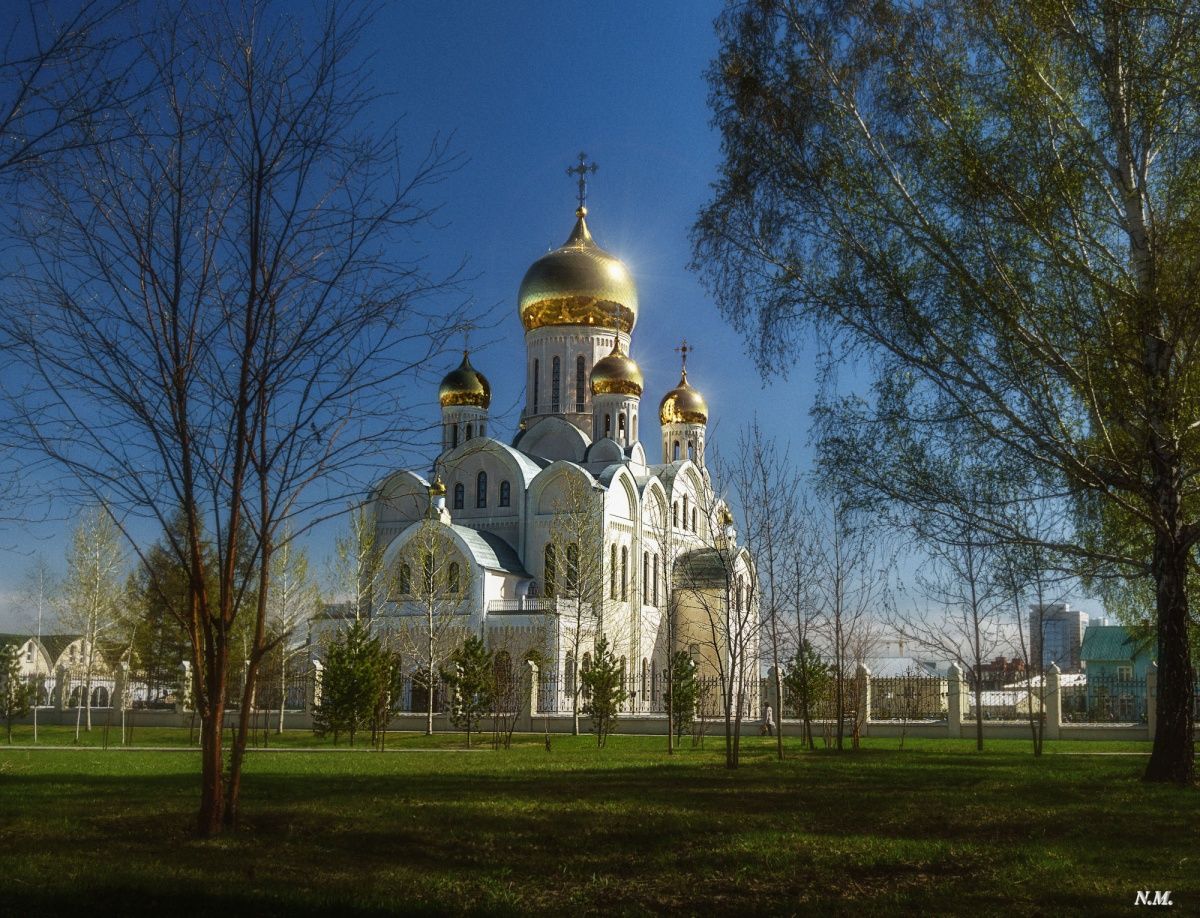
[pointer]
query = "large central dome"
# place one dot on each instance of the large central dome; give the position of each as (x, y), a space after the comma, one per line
(578, 284)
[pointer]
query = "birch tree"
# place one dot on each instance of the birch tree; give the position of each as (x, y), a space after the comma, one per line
(92, 594)
(992, 208)
(292, 604)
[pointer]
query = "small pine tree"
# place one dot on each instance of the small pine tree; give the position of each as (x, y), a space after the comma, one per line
(683, 692)
(471, 679)
(14, 693)
(603, 690)
(807, 681)
(355, 667)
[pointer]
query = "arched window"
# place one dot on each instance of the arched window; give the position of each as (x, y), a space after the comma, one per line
(635, 427)
(675, 451)
(572, 577)
(555, 383)
(608, 425)
(460, 496)
(621, 426)
(691, 450)
(685, 513)
(549, 571)
(580, 382)
(427, 574)
(453, 436)
(737, 596)
(505, 494)
(453, 579)
(654, 589)
(569, 675)
(645, 578)
(405, 580)
(624, 573)
(100, 697)
(612, 571)
(675, 513)
(693, 519)
(481, 489)
(536, 375)
(470, 431)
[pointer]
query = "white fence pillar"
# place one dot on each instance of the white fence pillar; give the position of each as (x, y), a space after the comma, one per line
(314, 686)
(1152, 698)
(62, 688)
(862, 683)
(954, 702)
(183, 697)
(1052, 694)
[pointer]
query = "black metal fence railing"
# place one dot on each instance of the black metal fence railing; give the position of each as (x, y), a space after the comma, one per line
(1105, 699)
(908, 698)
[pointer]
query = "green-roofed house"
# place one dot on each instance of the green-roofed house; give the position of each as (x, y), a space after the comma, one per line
(1116, 660)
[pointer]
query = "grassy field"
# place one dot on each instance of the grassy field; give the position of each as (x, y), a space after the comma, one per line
(937, 829)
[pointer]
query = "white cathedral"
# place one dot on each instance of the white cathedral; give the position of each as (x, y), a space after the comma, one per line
(658, 523)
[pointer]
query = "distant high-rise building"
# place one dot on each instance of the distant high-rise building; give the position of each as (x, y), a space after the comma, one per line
(1056, 634)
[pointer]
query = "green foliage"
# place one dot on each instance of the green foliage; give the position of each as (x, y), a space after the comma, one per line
(683, 692)
(471, 679)
(356, 674)
(603, 690)
(15, 695)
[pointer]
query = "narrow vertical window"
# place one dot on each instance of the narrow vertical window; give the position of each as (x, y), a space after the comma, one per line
(453, 579)
(654, 589)
(675, 452)
(624, 573)
(685, 511)
(580, 382)
(693, 519)
(572, 577)
(621, 425)
(555, 383)
(427, 574)
(481, 490)
(405, 579)
(536, 374)
(675, 514)
(453, 436)
(612, 571)
(608, 425)
(470, 431)
(505, 494)
(550, 574)
(460, 495)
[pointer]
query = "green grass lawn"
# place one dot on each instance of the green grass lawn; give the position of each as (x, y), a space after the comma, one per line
(936, 829)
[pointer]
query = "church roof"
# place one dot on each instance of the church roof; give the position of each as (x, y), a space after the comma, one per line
(490, 551)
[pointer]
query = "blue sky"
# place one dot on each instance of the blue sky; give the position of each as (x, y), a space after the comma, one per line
(520, 89)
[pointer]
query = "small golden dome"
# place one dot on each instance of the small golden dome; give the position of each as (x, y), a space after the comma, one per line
(465, 386)
(578, 284)
(683, 405)
(617, 374)
(438, 488)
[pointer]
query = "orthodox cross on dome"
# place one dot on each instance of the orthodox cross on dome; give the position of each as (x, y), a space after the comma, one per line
(583, 170)
(683, 350)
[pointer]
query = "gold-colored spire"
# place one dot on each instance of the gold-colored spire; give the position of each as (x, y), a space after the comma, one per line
(683, 404)
(465, 385)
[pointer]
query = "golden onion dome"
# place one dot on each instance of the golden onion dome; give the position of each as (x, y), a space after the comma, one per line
(465, 386)
(578, 284)
(683, 405)
(617, 374)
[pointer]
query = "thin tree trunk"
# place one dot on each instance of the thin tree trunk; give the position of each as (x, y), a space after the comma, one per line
(1173, 756)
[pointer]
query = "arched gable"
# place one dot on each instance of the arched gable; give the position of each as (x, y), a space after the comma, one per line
(558, 486)
(554, 438)
(621, 498)
(400, 498)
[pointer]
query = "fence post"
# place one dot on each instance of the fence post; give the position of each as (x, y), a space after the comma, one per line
(773, 698)
(862, 680)
(120, 687)
(1152, 698)
(62, 689)
(1053, 695)
(314, 686)
(954, 701)
(529, 696)
(183, 697)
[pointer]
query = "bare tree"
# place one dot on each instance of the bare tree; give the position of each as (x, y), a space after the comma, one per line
(717, 599)
(433, 587)
(92, 594)
(667, 544)
(292, 603)
(768, 488)
(40, 591)
(966, 621)
(217, 319)
(851, 591)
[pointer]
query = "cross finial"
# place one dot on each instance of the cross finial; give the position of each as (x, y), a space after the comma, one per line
(683, 350)
(583, 170)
